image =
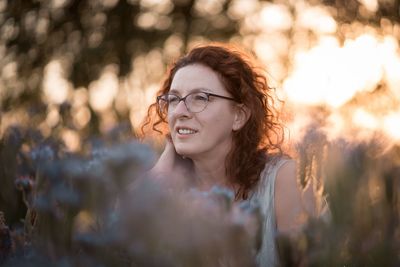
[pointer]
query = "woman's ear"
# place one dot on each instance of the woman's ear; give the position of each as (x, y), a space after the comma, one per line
(242, 114)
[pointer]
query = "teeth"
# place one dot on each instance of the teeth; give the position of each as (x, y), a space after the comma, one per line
(185, 131)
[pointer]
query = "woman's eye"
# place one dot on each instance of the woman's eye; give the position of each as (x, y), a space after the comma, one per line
(200, 97)
(173, 100)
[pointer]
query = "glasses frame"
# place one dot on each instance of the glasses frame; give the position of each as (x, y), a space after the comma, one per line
(160, 98)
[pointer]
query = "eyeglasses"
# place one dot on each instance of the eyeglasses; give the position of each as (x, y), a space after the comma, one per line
(195, 102)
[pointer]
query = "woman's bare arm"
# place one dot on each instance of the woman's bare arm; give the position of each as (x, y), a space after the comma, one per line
(289, 207)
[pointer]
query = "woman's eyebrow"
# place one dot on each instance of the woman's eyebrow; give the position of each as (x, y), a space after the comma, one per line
(194, 90)
(173, 91)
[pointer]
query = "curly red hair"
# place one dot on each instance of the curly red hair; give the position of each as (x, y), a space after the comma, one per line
(262, 135)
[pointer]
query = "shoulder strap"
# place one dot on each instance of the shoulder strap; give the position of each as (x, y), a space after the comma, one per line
(267, 255)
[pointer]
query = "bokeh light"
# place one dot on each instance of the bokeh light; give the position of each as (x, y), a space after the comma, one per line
(313, 58)
(56, 87)
(334, 76)
(103, 91)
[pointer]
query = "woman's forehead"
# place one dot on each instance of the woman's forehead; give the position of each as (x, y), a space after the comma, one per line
(195, 77)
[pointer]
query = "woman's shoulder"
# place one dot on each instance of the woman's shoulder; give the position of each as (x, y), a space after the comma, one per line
(275, 162)
(268, 174)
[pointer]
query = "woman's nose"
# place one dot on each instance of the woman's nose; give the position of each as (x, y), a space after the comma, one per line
(181, 109)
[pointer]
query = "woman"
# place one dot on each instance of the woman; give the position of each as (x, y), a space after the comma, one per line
(223, 130)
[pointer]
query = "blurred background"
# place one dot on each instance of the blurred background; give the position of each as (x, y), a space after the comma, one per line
(74, 72)
(79, 68)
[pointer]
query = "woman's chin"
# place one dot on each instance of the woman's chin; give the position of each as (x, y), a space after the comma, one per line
(183, 154)
(187, 153)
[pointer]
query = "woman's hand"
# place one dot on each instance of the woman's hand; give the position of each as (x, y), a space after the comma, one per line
(172, 165)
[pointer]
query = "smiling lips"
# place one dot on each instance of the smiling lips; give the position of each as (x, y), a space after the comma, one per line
(185, 131)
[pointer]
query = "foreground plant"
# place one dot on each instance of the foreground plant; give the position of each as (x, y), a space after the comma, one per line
(102, 209)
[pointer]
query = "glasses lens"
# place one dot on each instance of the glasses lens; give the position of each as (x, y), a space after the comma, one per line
(163, 103)
(167, 102)
(197, 102)
(172, 101)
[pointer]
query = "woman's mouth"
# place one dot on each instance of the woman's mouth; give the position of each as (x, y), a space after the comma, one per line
(185, 131)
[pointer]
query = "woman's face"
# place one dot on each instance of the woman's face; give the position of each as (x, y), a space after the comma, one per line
(202, 134)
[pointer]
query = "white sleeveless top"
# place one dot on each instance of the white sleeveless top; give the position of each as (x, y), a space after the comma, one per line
(264, 195)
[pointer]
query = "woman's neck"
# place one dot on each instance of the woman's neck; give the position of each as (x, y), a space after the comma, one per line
(210, 167)
(210, 172)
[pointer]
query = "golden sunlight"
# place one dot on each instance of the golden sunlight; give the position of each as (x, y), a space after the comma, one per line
(142, 100)
(330, 74)
(275, 17)
(371, 5)
(391, 124)
(316, 18)
(103, 91)
(334, 76)
(365, 119)
(56, 87)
